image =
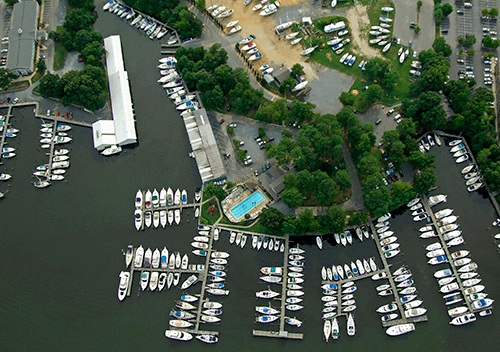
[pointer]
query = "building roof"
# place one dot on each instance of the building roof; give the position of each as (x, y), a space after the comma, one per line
(119, 91)
(23, 33)
(281, 74)
(204, 145)
(104, 134)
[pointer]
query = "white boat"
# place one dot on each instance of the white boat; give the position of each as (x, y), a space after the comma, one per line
(232, 24)
(144, 280)
(153, 282)
(178, 335)
(123, 286)
(308, 51)
(386, 47)
(319, 242)
(463, 319)
(114, 149)
(327, 329)
(178, 323)
(351, 327)
(400, 329)
(335, 329)
(266, 294)
(293, 321)
(457, 311)
(235, 29)
(139, 256)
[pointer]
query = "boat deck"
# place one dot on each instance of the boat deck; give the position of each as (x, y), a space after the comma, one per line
(282, 333)
(428, 209)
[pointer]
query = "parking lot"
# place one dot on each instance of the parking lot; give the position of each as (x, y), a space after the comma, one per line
(406, 12)
(245, 131)
(379, 112)
(468, 21)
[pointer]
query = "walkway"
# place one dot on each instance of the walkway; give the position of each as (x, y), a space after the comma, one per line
(356, 202)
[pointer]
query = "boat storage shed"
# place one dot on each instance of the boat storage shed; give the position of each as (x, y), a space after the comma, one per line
(22, 38)
(205, 149)
(121, 130)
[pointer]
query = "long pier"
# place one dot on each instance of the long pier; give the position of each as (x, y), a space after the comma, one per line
(428, 209)
(395, 292)
(4, 132)
(57, 119)
(282, 333)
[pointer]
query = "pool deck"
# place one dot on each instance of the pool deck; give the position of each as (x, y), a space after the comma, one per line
(238, 196)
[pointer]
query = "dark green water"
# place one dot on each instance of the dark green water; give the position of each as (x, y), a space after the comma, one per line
(61, 247)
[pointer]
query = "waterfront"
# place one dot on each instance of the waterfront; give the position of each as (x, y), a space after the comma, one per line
(61, 255)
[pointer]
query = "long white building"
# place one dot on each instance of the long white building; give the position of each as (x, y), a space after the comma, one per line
(120, 130)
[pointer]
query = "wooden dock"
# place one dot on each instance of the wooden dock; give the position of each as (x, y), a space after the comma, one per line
(428, 209)
(58, 119)
(395, 292)
(4, 132)
(282, 333)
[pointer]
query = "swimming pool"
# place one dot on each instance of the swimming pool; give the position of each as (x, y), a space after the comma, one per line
(248, 204)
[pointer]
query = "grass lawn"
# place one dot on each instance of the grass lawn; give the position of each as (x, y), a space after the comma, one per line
(206, 215)
(60, 54)
(326, 56)
(18, 85)
(36, 76)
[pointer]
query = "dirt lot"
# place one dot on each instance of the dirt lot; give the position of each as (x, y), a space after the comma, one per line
(274, 51)
(359, 24)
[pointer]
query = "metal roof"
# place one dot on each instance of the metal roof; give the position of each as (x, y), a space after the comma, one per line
(204, 145)
(22, 36)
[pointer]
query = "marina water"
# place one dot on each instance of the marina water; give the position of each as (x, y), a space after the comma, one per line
(61, 246)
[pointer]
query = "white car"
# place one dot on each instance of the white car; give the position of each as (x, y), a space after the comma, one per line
(48, 112)
(233, 125)
(15, 100)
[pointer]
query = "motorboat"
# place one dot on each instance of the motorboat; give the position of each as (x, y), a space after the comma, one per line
(474, 289)
(213, 305)
(348, 236)
(114, 149)
(438, 260)
(390, 247)
(360, 267)
(474, 187)
(308, 51)
(178, 335)
(449, 288)
(407, 290)
(455, 242)
(387, 308)
(153, 282)
(348, 272)
(294, 293)
(367, 266)
(428, 234)
(448, 220)
(462, 158)
(373, 265)
(469, 275)
(232, 24)
(144, 280)
(457, 311)
(451, 235)
(383, 287)
(388, 240)
(461, 261)
(463, 319)
(138, 199)
(177, 216)
(335, 329)
(470, 282)
(400, 329)
(293, 321)
(447, 228)
(459, 254)
(386, 293)
(123, 286)
(340, 271)
(148, 218)
(178, 323)
(343, 239)
(235, 29)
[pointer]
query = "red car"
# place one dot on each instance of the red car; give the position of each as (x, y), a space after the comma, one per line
(222, 121)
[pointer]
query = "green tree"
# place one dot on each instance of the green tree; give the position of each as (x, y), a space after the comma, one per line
(417, 30)
(374, 93)
(6, 78)
(41, 66)
(438, 13)
(358, 218)
(343, 179)
(347, 98)
(470, 40)
(306, 220)
(241, 154)
(425, 180)
(434, 119)
(441, 47)
(10, 2)
(230, 130)
(200, 5)
(290, 225)
(292, 197)
(78, 19)
(214, 99)
(297, 70)
(287, 134)
(376, 68)
(211, 190)
(485, 12)
(447, 9)
(402, 193)
(272, 219)
(93, 54)
(84, 37)
(420, 160)
(82, 4)
(48, 86)
(335, 219)
(377, 200)
(471, 52)
(493, 12)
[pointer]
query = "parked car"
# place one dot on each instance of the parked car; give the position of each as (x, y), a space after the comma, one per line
(222, 121)
(268, 165)
(460, 61)
(378, 122)
(233, 125)
(390, 112)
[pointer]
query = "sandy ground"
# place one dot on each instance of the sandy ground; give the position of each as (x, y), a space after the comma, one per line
(358, 21)
(275, 51)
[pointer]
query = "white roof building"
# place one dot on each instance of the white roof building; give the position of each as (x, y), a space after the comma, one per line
(205, 149)
(121, 130)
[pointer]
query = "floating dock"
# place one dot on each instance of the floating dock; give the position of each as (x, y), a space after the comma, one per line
(4, 132)
(425, 201)
(282, 333)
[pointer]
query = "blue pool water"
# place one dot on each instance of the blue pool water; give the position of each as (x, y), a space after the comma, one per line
(248, 204)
